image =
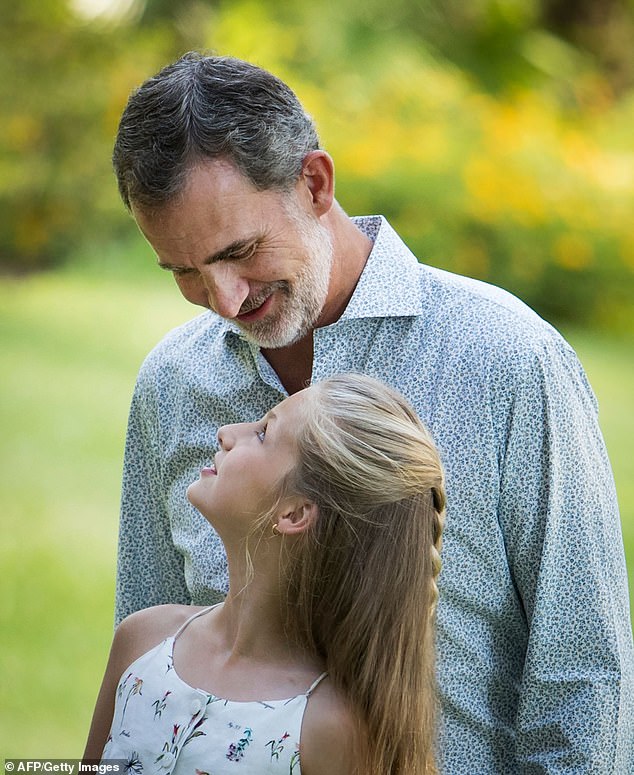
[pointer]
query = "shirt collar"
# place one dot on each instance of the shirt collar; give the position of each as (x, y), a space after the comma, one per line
(389, 284)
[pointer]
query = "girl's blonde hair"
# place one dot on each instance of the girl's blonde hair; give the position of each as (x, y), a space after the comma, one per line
(362, 579)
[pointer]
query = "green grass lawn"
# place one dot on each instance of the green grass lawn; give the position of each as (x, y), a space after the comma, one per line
(70, 346)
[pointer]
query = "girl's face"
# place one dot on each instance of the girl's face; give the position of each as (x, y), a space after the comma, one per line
(242, 482)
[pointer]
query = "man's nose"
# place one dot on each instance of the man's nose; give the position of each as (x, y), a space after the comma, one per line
(226, 290)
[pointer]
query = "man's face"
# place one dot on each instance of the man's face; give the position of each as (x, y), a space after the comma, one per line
(259, 258)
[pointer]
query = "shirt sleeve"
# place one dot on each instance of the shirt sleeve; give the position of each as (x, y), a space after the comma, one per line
(150, 570)
(560, 519)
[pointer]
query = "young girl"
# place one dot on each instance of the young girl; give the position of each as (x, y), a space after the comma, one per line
(330, 510)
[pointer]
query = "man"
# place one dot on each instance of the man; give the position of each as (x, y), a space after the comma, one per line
(223, 173)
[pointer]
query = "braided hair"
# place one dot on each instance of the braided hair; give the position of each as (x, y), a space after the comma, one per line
(361, 580)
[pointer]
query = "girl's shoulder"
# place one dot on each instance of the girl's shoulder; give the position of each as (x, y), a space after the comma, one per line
(143, 630)
(331, 733)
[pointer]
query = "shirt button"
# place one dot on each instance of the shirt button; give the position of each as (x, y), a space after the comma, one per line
(195, 707)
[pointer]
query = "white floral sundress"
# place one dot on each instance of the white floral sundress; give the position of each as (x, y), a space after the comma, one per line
(164, 726)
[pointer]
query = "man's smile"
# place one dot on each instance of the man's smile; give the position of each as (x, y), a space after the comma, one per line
(256, 309)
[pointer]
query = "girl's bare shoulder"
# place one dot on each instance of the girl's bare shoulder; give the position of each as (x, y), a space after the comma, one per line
(331, 734)
(145, 629)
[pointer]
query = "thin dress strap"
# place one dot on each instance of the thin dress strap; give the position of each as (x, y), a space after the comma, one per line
(316, 683)
(191, 619)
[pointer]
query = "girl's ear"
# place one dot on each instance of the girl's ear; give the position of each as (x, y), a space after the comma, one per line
(296, 517)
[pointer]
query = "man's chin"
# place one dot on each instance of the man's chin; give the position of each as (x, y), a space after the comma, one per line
(268, 339)
(268, 342)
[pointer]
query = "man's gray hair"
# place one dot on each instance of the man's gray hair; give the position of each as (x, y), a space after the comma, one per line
(206, 107)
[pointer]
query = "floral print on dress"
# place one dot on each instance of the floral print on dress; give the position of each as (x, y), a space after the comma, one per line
(294, 763)
(277, 746)
(136, 687)
(163, 726)
(236, 750)
(133, 764)
(180, 738)
(170, 661)
(160, 705)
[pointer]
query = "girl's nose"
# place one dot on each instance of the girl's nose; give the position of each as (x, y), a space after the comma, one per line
(228, 435)
(224, 437)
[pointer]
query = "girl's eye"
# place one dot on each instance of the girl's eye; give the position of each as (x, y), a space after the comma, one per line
(261, 433)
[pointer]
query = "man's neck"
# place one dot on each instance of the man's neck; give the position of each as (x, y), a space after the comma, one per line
(293, 364)
(351, 251)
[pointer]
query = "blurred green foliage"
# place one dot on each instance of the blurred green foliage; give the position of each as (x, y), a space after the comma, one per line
(495, 134)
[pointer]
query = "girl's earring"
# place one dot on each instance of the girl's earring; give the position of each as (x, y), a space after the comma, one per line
(275, 529)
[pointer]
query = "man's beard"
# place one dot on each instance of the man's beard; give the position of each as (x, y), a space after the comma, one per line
(300, 302)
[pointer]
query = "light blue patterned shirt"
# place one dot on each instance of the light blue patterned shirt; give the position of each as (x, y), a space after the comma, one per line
(535, 657)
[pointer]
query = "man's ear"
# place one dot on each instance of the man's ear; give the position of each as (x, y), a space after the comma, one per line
(296, 517)
(318, 175)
